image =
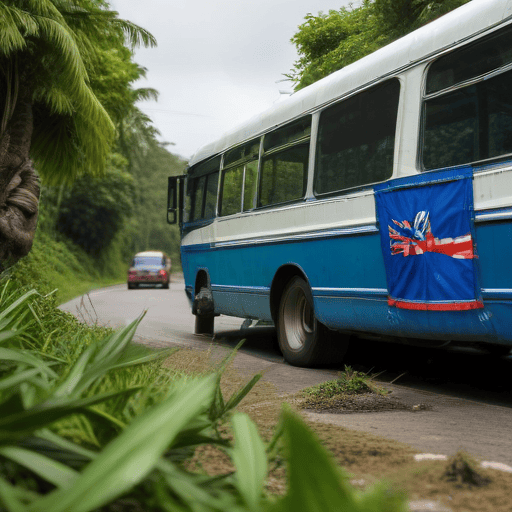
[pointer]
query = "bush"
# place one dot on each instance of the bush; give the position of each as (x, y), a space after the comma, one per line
(99, 382)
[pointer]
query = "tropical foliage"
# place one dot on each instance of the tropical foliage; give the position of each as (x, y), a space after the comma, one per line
(329, 42)
(98, 423)
(54, 55)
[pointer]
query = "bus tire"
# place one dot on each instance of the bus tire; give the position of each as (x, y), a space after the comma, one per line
(204, 324)
(303, 340)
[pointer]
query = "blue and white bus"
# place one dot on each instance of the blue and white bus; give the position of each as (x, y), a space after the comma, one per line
(376, 201)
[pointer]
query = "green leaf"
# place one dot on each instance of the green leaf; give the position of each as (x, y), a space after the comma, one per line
(238, 396)
(25, 357)
(7, 335)
(17, 424)
(48, 469)
(17, 378)
(73, 378)
(9, 497)
(316, 483)
(16, 304)
(130, 457)
(250, 460)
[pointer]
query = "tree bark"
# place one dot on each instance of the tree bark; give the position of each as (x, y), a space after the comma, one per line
(19, 185)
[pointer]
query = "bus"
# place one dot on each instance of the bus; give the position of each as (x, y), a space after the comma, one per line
(375, 202)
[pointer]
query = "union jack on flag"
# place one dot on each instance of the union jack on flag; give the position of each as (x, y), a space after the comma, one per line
(415, 239)
(429, 257)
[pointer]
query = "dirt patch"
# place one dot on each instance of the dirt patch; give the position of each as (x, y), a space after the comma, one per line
(366, 402)
(366, 458)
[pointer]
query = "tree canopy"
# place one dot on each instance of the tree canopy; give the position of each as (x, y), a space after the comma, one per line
(67, 103)
(328, 42)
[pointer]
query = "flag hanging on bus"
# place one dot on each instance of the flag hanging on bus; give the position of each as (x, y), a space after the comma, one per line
(426, 227)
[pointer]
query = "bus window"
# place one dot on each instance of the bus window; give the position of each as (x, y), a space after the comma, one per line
(239, 178)
(250, 185)
(197, 198)
(211, 195)
(284, 167)
(472, 119)
(231, 199)
(200, 197)
(356, 140)
(283, 175)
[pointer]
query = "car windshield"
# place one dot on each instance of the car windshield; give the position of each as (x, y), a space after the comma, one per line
(143, 261)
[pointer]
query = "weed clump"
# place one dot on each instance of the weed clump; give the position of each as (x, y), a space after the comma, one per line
(351, 391)
(349, 382)
(462, 469)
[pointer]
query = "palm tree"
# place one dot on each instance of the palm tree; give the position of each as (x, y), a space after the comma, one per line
(50, 118)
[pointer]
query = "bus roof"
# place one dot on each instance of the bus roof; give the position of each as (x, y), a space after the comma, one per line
(448, 31)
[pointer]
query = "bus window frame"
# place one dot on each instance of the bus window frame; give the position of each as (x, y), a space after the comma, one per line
(307, 139)
(237, 163)
(396, 142)
(475, 80)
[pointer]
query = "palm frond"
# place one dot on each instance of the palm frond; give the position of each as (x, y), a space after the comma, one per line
(146, 94)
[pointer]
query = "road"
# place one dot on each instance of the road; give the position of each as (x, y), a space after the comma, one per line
(466, 393)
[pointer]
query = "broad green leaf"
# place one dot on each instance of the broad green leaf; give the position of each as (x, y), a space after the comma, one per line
(197, 497)
(316, 483)
(250, 460)
(17, 378)
(57, 448)
(48, 469)
(130, 457)
(9, 498)
(20, 423)
(64, 444)
(8, 354)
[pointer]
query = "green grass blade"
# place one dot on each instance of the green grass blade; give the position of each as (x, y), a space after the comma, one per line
(64, 444)
(128, 459)
(25, 357)
(7, 335)
(16, 304)
(48, 469)
(137, 354)
(72, 380)
(117, 342)
(250, 460)
(17, 378)
(238, 396)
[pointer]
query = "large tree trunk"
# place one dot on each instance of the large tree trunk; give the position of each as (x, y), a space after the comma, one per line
(19, 185)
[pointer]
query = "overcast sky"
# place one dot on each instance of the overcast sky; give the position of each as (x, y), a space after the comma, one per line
(217, 63)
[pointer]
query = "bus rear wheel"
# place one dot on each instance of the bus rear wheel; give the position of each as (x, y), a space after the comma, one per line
(303, 340)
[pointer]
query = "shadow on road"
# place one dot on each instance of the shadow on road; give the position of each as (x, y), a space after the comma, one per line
(463, 372)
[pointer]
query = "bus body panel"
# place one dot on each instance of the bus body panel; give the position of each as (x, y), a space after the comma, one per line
(341, 257)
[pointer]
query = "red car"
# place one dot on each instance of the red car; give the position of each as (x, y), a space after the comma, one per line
(150, 267)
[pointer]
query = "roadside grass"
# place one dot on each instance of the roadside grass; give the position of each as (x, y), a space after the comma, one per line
(116, 392)
(367, 458)
(90, 420)
(66, 270)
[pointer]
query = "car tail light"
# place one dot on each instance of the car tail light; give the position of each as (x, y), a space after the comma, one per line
(162, 273)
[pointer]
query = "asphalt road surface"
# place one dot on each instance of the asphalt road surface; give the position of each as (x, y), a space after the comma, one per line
(464, 394)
